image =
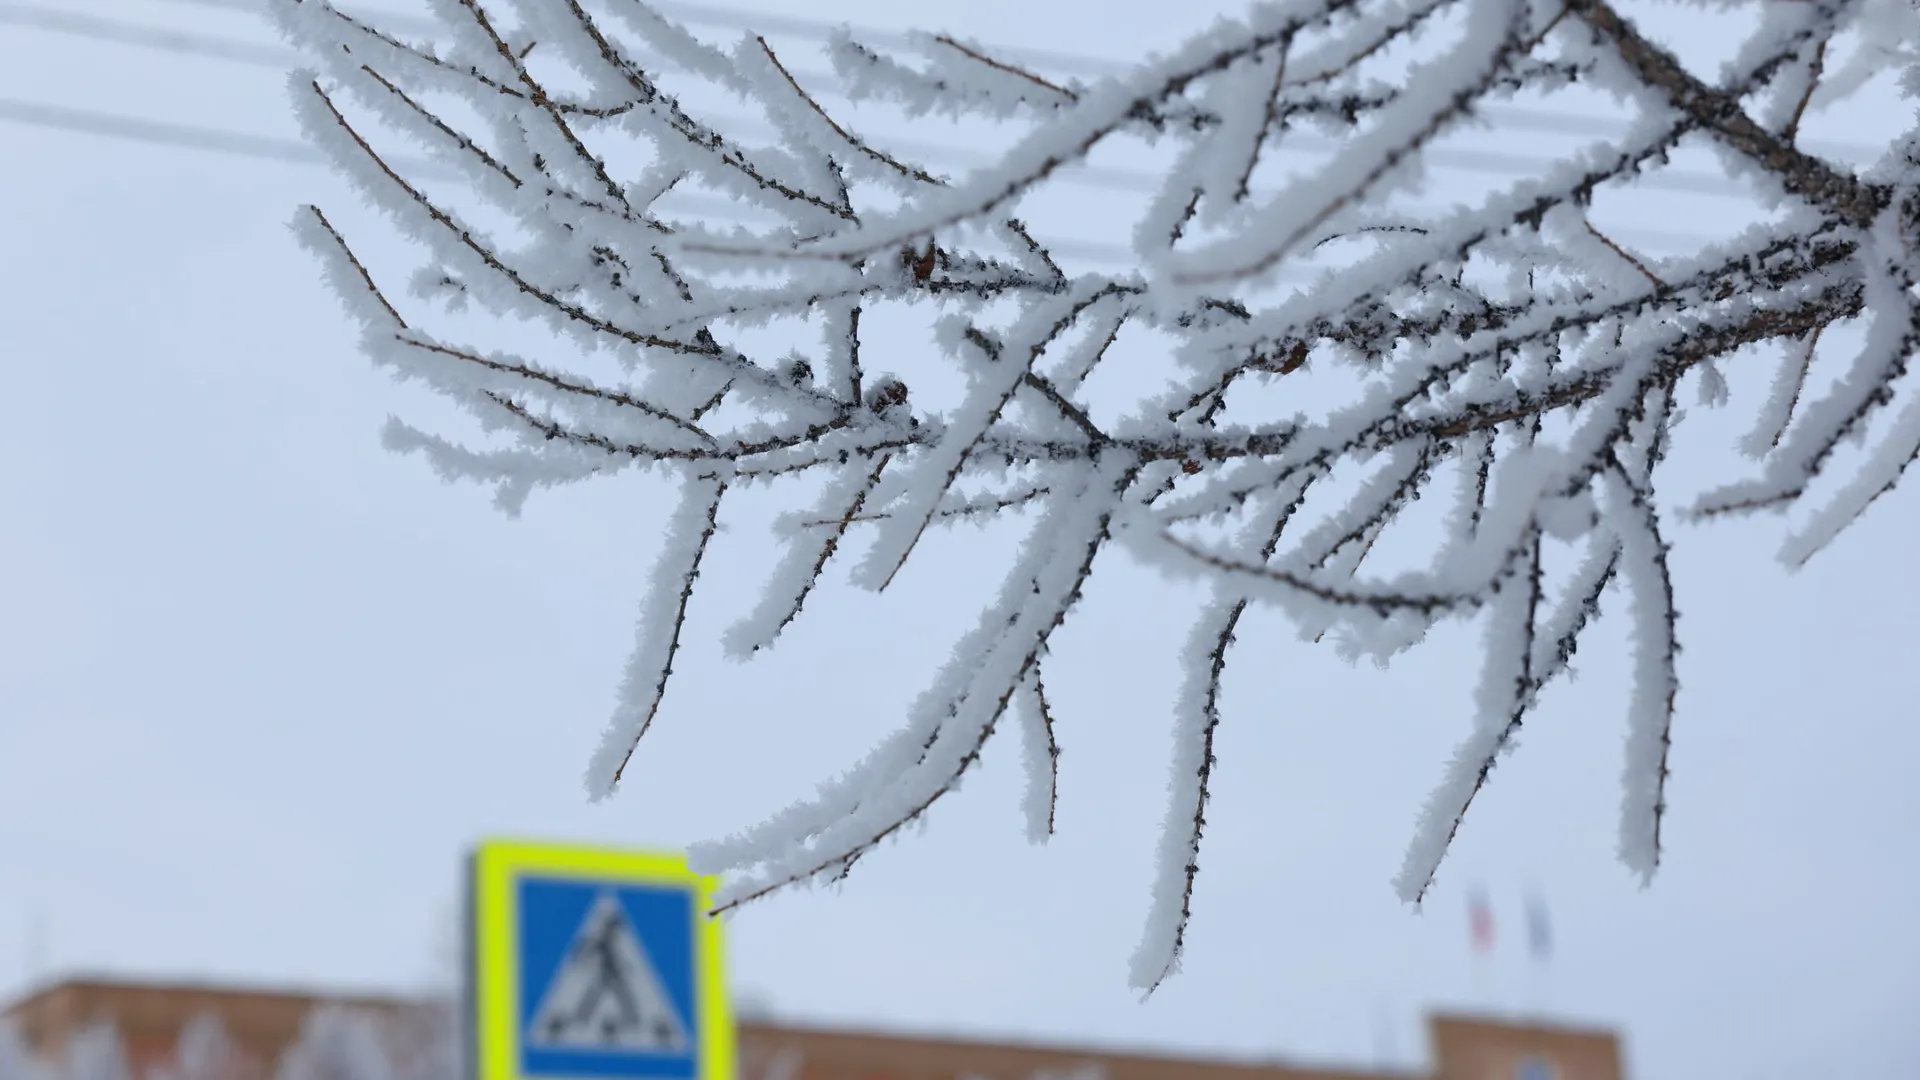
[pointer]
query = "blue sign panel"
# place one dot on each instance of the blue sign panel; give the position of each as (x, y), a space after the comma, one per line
(606, 981)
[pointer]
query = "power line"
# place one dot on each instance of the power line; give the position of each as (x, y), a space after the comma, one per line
(702, 14)
(281, 59)
(270, 148)
(157, 132)
(292, 151)
(119, 32)
(1139, 181)
(1516, 117)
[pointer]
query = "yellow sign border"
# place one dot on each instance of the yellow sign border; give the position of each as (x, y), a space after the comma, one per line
(498, 866)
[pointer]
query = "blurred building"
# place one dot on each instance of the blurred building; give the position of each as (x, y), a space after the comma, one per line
(259, 1025)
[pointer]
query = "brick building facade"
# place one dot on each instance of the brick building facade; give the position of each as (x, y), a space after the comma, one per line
(261, 1024)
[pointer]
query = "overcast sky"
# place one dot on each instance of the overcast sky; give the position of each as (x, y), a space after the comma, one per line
(261, 683)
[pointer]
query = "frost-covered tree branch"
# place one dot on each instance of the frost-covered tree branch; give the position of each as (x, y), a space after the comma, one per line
(1507, 357)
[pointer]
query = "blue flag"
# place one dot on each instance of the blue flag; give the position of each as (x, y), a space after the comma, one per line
(1539, 937)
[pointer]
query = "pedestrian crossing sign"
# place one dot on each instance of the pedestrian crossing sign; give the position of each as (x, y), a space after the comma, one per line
(589, 964)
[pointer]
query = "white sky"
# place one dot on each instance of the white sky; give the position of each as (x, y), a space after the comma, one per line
(260, 684)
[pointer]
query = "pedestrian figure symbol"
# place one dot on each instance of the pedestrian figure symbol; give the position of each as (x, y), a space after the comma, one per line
(607, 994)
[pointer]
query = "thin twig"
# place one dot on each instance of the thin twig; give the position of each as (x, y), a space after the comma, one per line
(1003, 66)
(359, 267)
(1623, 253)
(1814, 71)
(858, 144)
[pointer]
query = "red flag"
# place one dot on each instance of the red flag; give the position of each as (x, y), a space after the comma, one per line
(1480, 922)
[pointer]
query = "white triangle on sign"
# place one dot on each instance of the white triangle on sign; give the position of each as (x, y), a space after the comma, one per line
(607, 994)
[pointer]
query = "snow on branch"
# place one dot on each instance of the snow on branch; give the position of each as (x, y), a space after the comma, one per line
(1507, 357)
